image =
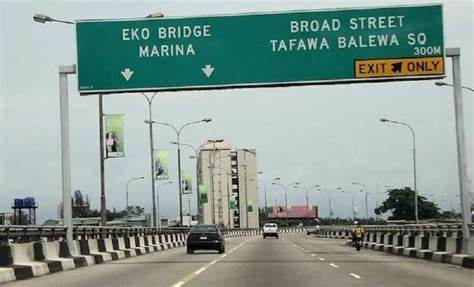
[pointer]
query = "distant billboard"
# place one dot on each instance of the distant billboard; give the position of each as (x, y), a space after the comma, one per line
(296, 211)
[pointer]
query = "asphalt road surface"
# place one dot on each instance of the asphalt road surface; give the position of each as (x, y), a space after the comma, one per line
(293, 260)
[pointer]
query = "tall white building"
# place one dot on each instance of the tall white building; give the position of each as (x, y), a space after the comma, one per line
(229, 179)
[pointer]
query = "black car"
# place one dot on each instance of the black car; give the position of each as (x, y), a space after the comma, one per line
(206, 237)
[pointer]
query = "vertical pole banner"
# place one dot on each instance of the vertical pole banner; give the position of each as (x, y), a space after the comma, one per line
(202, 190)
(186, 182)
(250, 206)
(161, 164)
(233, 204)
(114, 136)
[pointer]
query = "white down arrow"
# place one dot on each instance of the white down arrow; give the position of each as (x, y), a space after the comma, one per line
(127, 74)
(208, 70)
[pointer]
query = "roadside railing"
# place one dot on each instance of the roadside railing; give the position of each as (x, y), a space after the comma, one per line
(444, 227)
(30, 233)
(443, 237)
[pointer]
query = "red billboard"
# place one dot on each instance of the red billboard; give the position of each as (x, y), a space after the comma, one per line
(297, 211)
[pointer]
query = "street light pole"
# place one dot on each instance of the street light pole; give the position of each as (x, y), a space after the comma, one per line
(414, 162)
(285, 188)
(229, 179)
(246, 193)
(128, 182)
(330, 203)
(178, 133)
(265, 191)
(152, 169)
(212, 166)
(439, 83)
(63, 72)
(158, 201)
(366, 195)
(306, 190)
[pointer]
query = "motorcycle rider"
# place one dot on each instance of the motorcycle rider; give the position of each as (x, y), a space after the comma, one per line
(357, 232)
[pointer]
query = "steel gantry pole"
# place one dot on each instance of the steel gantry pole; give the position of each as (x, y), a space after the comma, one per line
(64, 71)
(455, 54)
(414, 161)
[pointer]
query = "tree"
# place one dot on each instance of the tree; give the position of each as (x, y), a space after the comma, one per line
(402, 206)
(80, 206)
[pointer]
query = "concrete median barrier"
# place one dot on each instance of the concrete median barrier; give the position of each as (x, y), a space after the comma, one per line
(51, 252)
(93, 249)
(22, 261)
(79, 259)
(440, 243)
(129, 252)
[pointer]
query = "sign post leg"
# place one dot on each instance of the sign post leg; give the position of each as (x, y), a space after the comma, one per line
(64, 71)
(455, 54)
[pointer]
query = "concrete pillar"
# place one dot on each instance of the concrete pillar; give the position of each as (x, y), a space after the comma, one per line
(406, 240)
(421, 240)
(453, 242)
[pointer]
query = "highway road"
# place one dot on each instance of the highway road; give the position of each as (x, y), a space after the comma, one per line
(293, 260)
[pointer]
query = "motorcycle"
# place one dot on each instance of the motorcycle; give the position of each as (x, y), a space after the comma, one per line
(357, 242)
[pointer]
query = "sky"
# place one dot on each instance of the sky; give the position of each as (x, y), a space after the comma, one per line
(326, 135)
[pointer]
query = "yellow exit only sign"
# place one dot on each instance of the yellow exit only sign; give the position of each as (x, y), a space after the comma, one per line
(399, 67)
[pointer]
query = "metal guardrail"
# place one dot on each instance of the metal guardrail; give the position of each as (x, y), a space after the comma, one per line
(31, 233)
(430, 227)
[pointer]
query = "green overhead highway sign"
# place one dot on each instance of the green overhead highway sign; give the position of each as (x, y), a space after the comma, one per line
(269, 49)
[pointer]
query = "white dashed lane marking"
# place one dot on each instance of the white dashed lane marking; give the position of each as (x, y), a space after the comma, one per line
(333, 265)
(321, 259)
(355, 275)
(190, 276)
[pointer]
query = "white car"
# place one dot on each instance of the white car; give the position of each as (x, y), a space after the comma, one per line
(270, 229)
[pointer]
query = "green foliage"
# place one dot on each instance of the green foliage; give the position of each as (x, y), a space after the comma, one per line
(401, 204)
(81, 208)
(80, 205)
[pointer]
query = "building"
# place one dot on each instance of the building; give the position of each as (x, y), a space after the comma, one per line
(228, 179)
(296, 214)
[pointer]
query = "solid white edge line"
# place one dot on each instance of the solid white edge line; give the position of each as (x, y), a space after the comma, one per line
(355, 275)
